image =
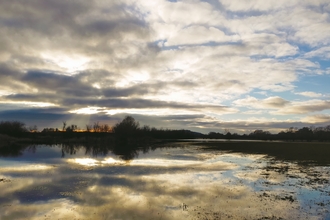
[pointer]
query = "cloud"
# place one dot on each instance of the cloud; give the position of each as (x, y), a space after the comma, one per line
(179, 13)
(320, 118)
(258, 5)
(9, 79)
(300, 21)
(145, 185)
(275, 102)
(52, 81)
(283, 107)
(310, 94)
(322, 52)
(145, 57)
(198, 35)
(302, 107)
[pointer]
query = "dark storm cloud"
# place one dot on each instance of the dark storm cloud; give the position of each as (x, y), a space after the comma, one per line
(9, 79)
(46, 97)
(118, 103)
(77, 91)
(8, 74)
(40, 117)
(68, 26)
(135, 103)
(59, 85)
(27, 60)
(53, 117)
(7, 71)
(39, 14)
(116, 27)
(51, 81)
(56, 88)
(36, 112)
(247, 127)
(126, 92)
(182, 117)
(137, 89)
(60, 95)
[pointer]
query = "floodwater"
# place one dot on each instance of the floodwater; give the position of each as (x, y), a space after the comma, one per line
(178, 181)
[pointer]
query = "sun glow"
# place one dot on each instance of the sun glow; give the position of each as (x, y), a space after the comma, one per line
(27, 167)
(87, 110)
(147, 111)
(69, 63)
(94, 162)
(112, 161)
(162, 162)
(133, 77)
(84, 161)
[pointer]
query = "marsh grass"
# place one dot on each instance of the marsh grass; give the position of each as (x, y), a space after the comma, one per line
(317, 153)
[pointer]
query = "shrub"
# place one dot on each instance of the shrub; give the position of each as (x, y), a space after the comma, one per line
(12, 128)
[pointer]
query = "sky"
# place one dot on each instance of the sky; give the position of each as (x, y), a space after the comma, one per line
(202, 65)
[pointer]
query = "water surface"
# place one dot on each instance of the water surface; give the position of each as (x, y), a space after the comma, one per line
(176, 181)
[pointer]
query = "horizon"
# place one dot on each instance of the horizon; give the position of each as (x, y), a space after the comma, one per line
(199, 65)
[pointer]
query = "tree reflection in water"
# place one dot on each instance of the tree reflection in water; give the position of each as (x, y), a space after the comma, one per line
(12, 150)
(124, 150)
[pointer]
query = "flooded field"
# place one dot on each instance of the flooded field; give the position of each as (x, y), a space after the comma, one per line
(172, 181)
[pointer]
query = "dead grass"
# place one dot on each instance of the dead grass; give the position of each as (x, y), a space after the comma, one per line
(317, 153)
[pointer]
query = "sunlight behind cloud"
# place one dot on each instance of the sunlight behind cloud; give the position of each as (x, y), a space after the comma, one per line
(26, 167)
(70, 63)
(162, 162)
(88, 110)
(84, 161)
(111, 160)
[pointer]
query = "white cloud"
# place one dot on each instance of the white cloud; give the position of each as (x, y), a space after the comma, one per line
(282, 106)
(185, 13)
(237, 5)
(294, 20)
(198, 35)
(320, 118)
(274, 102)
(303, 107)
(253, 112)
(310, 94)
(323, 53)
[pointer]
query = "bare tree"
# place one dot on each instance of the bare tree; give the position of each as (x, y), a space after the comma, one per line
(64, 126)
(88, 128)
(96, 127)
(33, 128)
(105, 128)
(71, 128)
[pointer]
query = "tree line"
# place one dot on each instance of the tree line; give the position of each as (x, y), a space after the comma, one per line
(129, 127)
(290, 134)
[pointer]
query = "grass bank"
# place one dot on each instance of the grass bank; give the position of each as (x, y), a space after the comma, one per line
(317, 153)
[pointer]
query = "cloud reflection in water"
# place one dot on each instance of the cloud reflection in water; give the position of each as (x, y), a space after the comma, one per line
(213, 186)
